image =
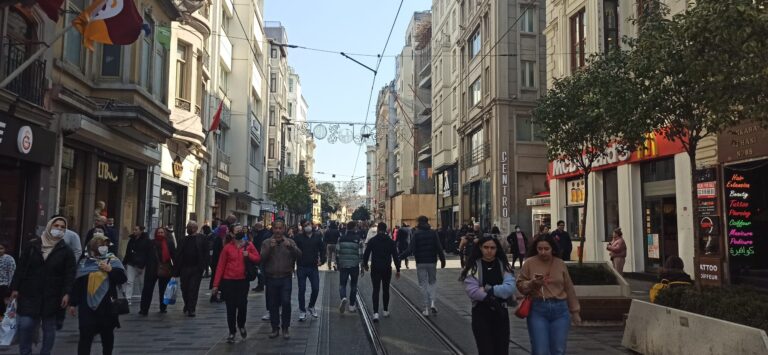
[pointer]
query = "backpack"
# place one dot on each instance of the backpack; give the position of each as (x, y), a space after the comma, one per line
(662, 285)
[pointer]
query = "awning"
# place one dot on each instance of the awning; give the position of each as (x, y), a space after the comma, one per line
(84, 129)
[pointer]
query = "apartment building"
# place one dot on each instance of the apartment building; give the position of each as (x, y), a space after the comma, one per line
(385, 143)
(500, 62)
(277, 115)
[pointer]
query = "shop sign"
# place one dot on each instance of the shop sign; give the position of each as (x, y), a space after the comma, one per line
(17, 141)
(653, 246)
(743, 141)
(24, 140)
(710, 271)
(706, 189)
(738, 202)
(504, 185)
(242, 205)
(655, 146)
(178, 167)
(446, 184)
(108, 171)
(574, 190)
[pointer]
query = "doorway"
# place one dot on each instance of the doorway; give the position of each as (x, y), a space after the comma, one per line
(660, 226)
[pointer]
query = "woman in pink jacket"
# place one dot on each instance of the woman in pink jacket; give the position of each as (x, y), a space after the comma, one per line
(618, 249)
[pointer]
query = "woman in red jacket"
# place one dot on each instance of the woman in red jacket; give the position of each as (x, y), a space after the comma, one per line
(230, 275)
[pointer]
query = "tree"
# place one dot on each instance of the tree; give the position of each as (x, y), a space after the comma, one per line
(361, 214)
(701, 71)
(587, 113)
(293, 193)
(329, 201)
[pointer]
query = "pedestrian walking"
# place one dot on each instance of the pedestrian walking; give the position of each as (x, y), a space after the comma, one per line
(137, 254)
(158, 271)
(402, 239)
(259, 236)
(98, 277)
(382, 252)
(544, 277)
(73, 241)
(41, 286)
(467, 243)
(207, 233)
(496, 233)
(7, 269)
(331, 239)
(489, 282)
(231, 278)
(279, 257)
(563, 240)
(426, 249)
(350, 262)
(191, 262)
(618, 250)
(312, 256)
(222, 234)
(518, 244)
(100, 226)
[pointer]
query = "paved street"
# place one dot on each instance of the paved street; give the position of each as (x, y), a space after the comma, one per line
(332, 333)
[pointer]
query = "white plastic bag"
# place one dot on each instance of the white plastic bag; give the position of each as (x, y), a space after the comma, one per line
(8, 325)
(170, 292)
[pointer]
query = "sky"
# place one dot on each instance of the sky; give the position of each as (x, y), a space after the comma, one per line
(336, 88)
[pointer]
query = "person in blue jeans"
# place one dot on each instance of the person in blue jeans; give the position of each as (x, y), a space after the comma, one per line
(312, 256)
(544, 277)
(278, 257)
(349, 258)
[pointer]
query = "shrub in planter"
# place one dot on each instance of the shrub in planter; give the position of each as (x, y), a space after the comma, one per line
(591, 275)
(734, 304)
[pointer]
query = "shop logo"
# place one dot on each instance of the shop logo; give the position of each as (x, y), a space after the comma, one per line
(105, 173)
(24, 140)
(2, 131)
(178, 167)
(649, 148)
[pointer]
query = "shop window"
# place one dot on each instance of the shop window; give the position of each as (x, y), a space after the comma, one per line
(658, 170)
(611, 24)
(574, 211)
(130, 213)
(108, 180)
(578, 39)
(610, 202)
(72, 187)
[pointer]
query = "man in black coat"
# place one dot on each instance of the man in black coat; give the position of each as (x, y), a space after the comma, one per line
(191, 261)
(259, 236)
(563, 239)
(312, 256)
(135, 260)
(381, 250)
(426, 249)
(331, 239)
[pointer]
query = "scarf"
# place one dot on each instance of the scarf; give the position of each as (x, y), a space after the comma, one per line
(48, 242)
(166, 254)
(98, 281)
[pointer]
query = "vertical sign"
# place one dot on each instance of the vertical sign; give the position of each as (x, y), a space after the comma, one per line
(738, 204)
(504, 185)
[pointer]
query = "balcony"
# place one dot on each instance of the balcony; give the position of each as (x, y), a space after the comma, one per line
(183, 104)
(197, 110)
(29, 85)
(206, 60)
(476, 156)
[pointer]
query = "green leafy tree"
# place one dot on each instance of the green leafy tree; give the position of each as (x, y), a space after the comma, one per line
(293, 192)
(587, 113)
(361, 214)
(703, 70)
(330, 201)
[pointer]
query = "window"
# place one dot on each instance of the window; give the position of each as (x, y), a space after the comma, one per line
(110, 60)
(222, 140)
(526, 22)
(253, 157)
(273, 51)
(454, 98)
(74, 51)
(474, 43)
(527, 74)
(610, 201)
(476, 93)
(523, 129)
(224, 19)
(290, 84)
(578, 39)
(271, 115)
(611, 24)
(272, 82)
(453, 61)
(290, 109)
(146, 55)
(270, 179)
(487, 81)
(271, 148)
(182, 79)
(288, 159)
(290, 133)
(160, 72)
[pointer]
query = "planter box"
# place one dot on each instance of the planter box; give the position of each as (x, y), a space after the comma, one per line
(604, 303)
(654, 329)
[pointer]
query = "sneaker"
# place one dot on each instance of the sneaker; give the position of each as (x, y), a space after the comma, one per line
(243, 333)
(286, 334)
(433, 309)
(259, 288)
(343, 305)
(425, 313)
(386, 314)
(352, 309)
(265, 317)
(302, 316)
(231, 339)
(313, 312)
(375, 317)
(275, 333)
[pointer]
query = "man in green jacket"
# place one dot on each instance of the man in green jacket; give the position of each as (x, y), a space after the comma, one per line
(349, 252)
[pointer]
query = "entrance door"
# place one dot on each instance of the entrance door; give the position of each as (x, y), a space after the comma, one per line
(660, 231)
(11, 206)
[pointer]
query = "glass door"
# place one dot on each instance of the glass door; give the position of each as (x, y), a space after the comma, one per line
(660, 227)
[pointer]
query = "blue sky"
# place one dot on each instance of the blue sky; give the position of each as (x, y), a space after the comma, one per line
(336, 88)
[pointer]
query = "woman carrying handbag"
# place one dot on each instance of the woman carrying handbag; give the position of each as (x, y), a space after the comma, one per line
(553, 304)
(489, 282)
(159, 270)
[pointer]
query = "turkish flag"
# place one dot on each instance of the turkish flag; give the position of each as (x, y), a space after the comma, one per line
(216, 118)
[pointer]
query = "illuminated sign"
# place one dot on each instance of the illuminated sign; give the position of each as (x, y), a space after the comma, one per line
(741, 236)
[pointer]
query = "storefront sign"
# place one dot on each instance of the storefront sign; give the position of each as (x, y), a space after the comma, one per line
(744, 141)
(504, 184)
(653, 246)
(706, 189)
(655, 146)
(446, 184)
(108, 171)
(17, 140)
(738, 202)
(710, 271)
(574, 192)
(178, 167)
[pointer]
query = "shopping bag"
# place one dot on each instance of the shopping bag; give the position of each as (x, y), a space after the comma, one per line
(8, 325)
(170, 292)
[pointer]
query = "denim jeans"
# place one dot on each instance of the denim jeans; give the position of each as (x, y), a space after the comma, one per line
(548, 325)
(427, 274)
(347, 274)
(279, 296)
(27, 327)
(302, 273)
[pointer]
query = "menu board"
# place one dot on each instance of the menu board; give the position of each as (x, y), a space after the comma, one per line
(739, 215)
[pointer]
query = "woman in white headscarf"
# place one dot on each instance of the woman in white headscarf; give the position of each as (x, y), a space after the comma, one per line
(41, 285)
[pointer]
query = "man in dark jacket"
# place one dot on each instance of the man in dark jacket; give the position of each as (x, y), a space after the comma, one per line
(349, 262)
(331, 239)
(191, 261)
(279, 255)
(312, 255)
(135, 260)
(382, 252)
(259, 236)
(403, 240)
(425, 247)
(563, 239)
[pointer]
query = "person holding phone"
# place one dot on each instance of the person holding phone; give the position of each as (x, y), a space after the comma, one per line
(545, 278)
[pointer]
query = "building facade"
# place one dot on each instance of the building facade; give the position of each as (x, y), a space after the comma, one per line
(277, 115)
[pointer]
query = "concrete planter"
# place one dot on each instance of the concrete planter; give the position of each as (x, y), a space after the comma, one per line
(603, 304)
(654, 329)
(621, 289)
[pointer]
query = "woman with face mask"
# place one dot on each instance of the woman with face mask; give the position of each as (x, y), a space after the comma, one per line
(41, 285)
(159, 270)
(230, 277)
(98, 277)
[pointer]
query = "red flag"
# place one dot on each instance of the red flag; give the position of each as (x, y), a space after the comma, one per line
(109, 22)
(50, 7)
(216, 118)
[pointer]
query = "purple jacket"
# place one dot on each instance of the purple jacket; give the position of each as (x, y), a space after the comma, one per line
(473, 285)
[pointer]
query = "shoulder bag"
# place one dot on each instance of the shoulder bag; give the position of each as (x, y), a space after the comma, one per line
(524, 308)
(251, 270)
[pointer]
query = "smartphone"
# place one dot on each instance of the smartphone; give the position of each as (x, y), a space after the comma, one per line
(538, 276)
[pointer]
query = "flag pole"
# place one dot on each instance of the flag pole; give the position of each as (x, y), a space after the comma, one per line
(12, 76)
